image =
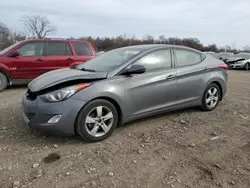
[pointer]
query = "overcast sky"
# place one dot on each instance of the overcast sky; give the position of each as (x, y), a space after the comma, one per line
(212, 21)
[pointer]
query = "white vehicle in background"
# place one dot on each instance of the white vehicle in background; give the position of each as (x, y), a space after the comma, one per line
(240, 61)
(242, 64)
(209, 52)
(99, 53)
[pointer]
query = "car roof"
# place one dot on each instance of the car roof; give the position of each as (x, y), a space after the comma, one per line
(148, 47)
(56, 40)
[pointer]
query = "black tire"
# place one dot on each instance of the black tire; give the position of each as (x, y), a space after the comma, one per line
(247, 66)
(3, 82)
(81, 128)
(205, 106)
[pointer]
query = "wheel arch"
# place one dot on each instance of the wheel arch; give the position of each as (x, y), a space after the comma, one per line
(4, 70)
(220, 83)
(220, 87)
(117, 106)
(109, 99)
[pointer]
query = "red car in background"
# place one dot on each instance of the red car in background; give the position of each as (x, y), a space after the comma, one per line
(25, 60)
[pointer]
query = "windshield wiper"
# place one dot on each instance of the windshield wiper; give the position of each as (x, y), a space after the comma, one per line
(83, 69)
(88, 70)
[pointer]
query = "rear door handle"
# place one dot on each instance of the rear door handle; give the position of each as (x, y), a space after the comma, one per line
(170, 77)
(39, 59)
(70, 59)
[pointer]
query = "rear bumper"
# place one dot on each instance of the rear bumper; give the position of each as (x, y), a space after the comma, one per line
(37, 114)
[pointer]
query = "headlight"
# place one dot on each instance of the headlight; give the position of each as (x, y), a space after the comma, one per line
(239, 62)
(64, 93)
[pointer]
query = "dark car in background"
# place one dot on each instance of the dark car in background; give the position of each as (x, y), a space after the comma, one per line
(28, 59)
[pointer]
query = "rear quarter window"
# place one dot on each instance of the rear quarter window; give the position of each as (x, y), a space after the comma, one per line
(187, 57)
(82, 49)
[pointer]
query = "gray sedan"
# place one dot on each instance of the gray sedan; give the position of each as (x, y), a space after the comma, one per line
(122, 85)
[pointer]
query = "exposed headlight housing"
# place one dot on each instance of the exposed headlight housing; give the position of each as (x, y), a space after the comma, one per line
(64, 93)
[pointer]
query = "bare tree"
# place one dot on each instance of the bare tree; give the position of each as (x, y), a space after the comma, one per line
(37, 26)
(5, 36)
(9, 37)
(246, 48)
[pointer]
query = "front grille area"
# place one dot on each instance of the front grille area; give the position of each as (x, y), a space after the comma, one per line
(30, 115)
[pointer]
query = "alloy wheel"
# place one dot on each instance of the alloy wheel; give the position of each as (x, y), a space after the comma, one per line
(99, 121)
(247, 66)
(212, 97)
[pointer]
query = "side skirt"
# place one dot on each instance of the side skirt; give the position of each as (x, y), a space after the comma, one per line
(20, 82)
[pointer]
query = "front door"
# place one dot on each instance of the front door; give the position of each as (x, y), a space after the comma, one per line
(29, 63)
(153, 90)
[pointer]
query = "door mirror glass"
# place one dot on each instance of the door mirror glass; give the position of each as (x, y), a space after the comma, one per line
(135, 69)
(15, 54)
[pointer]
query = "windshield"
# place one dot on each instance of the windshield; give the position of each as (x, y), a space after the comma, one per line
(109, 61)
(8, 48)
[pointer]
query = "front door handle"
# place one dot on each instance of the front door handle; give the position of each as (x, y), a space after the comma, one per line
(39, 60)
(170, 77)
(70, 59)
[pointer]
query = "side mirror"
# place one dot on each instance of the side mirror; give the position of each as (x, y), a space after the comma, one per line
(135, 69)
(15, 54)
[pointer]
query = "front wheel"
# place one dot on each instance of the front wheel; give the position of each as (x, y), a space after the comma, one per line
(3, 82)
(247, 66)
(97, 120)
(211, 97)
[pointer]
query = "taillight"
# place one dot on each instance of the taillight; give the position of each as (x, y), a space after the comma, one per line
(223, 66)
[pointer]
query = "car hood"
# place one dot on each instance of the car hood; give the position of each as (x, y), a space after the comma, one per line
(232, 59)
(59, 76)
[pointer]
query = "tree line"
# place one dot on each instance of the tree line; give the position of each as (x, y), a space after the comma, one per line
(39, 27)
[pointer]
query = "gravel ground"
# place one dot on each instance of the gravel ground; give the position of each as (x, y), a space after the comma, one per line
(188, 148)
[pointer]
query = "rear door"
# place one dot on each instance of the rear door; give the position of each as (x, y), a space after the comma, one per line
(58, 55)
(192, 74)
(83, 52)
(30, 62)
(154, 90)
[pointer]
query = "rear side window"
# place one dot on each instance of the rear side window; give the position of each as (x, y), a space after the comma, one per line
(58, 49)
(82, 49)
(187, 57)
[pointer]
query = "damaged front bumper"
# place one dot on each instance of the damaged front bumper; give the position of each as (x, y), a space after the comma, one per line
(38, 114)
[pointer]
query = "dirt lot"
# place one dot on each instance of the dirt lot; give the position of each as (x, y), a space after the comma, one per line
(181, 149)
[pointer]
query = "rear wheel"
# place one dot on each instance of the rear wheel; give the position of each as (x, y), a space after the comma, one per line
(97, 120)
(211, 97)
(3, 82)
(247, 66)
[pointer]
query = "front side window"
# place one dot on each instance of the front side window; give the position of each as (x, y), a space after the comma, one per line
(82, 49)
(187, 57)
(31, 49)
(156, 61)
(58, 49)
